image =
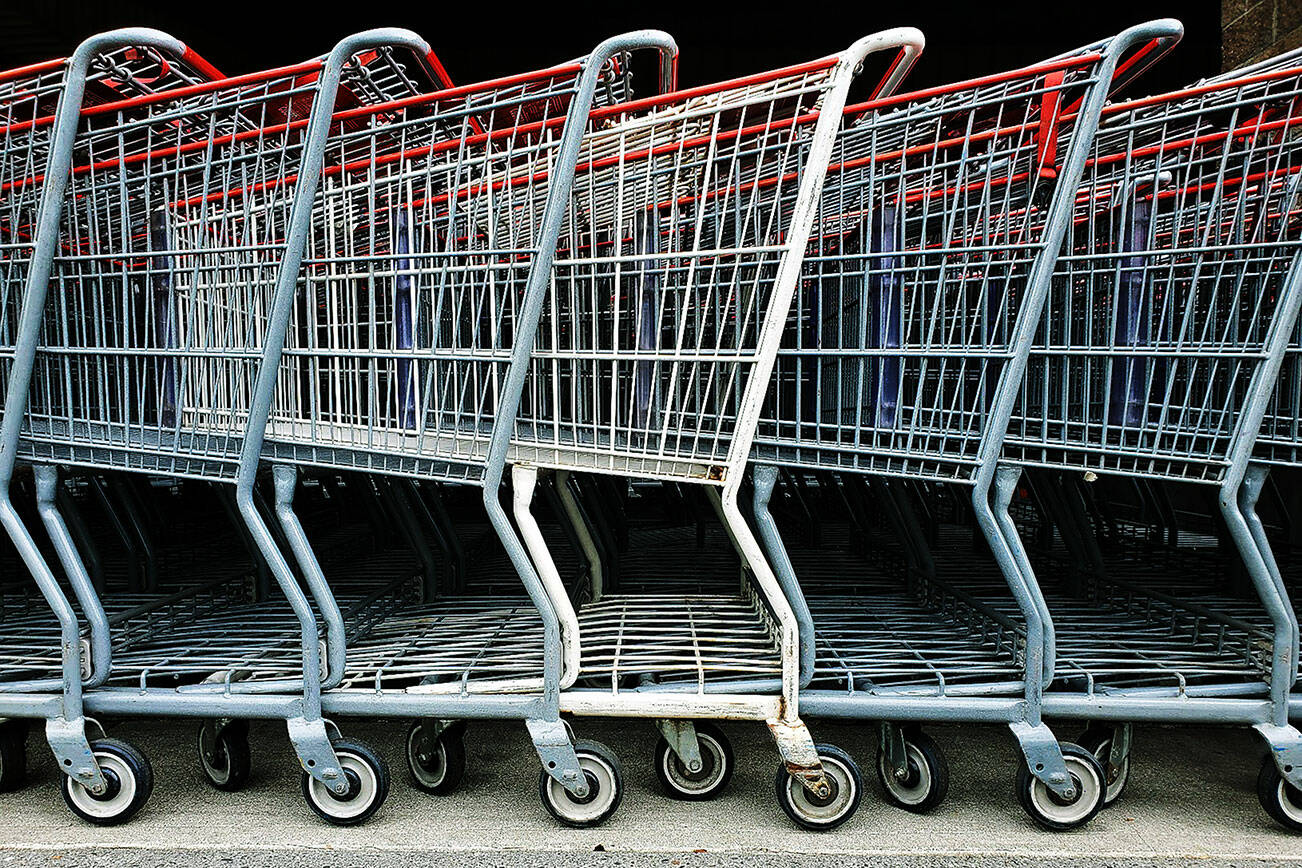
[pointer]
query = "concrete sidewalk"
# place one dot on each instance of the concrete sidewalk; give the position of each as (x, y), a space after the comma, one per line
(1191, 799)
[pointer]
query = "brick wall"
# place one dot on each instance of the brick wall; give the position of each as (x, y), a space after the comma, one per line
(1255, 29)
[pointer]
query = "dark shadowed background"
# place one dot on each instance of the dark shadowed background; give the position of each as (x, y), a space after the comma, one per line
(483, 38)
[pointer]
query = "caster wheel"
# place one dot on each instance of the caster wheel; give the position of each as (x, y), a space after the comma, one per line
(717, 764)
(605, 788)
(13, 755)
(130, 780)
(1282, 800)
(1099, 743)
(823, 814)
(224, 754)
(441, 770)
(927, 781)
(368, 786)
(1054, 813)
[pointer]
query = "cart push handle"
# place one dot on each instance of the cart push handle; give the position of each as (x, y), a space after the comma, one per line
(1166, 34)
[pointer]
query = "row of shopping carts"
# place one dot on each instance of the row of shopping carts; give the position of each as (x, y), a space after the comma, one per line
(341, 390)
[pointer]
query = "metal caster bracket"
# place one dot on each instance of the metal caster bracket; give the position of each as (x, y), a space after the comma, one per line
(796, 747)
(1044, 757)
(892, 746)
(431, 730)
(551, 739)
(1120, 750)
(1286, 747)
(681, 735)
(67, 739)
(316, 754)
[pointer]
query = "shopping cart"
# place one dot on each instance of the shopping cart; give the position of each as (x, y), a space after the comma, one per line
(121, 65)
(163, 221)
(655, 330)
(940, 223)
(433, 214)
(188, 383)
(1268, 92)
(1156, 359)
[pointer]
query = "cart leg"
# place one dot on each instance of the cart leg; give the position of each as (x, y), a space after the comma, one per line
(316, 753)
(574, 513)
(682, 740)
(799, 755)
(334, 657)
(523, 481)
(1285, 744)
(556, 751)
(1043, 755)
(96, 653)
(67, 739)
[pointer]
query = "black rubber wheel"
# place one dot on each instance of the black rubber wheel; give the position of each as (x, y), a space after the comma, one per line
(1282, 800)
(823, 814)
(1098, 741)
(717, 765)
(224, 754)
(440, 770)
(1052, 813)
(130, 781)
(368, 785)
(605, 788)
(927, 782)
(13, 755)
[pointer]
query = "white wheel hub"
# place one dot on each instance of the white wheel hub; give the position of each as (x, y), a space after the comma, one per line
(602, 791)
(429, 769)
(364, 787)
(117, 799)
(822, 811)
(1291, 808)
(713, 762)
(912, 790)
(1089, 789)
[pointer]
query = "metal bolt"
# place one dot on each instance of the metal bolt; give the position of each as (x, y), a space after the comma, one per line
(694, 766)
(823, 791)
(901, 774)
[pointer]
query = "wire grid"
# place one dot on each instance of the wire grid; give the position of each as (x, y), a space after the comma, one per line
(663, 277)
(1150, 619)
(28, 98)
(1163, 299)
(423, 235)
(173, 228)
(880, 629)
(931, 219)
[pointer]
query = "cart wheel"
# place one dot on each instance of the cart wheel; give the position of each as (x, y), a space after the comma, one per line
(925, 784)
(717, 764)
(1282, 800)
(605, 788)
(224, 754)
(823, 814)
(368, 785)
(130, 780)
(1098, 741)
(1056, 814)
(13, 755)
(441, 770)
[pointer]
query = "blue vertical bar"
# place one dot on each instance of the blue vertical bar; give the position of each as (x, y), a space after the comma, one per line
(1129, 389)
(402, 316)
(885, 310)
